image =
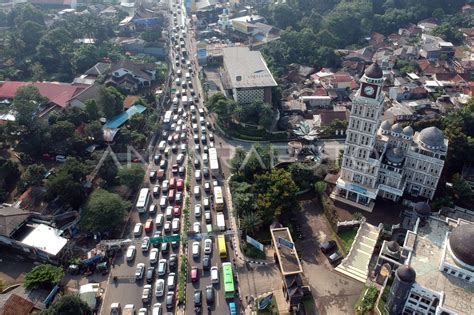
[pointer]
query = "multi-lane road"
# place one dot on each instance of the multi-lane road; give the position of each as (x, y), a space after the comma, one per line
(126, 290)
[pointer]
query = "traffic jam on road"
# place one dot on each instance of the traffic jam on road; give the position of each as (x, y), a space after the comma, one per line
(185, 149)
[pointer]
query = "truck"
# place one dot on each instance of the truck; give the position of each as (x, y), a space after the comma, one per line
(220, 221)
(213, 162)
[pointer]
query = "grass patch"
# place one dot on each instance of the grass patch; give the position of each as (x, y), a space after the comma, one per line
(367, 300)
(182, 280)
(271, 309)
(251, 252)
(346, 239)
(384, 298)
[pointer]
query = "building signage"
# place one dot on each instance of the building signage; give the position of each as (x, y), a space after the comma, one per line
(254, 243)
(286, 243)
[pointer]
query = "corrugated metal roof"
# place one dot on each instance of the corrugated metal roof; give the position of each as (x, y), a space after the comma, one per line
(121, 118)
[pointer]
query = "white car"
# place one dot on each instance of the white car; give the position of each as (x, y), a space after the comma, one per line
(139, 271)
(154, 255)
(165, 185)
(137, 230)
(162, 266)
(197, 191)
(146, 294)
(175, 225)
(159, 220)
(197, 227)
(167, 227)
(196, 249)
(214, 274)
(163, 202)
(131, 253)
(145, 244)
(197, 175)
(197, 210)
(115, 309)
(143, 311)
(157, 310)
(207, 246)
(159, 287)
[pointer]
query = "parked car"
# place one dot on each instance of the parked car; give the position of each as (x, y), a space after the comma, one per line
(328, 246)
(139, 271)
(335, 257)
(130, 255)
(194, 274)
(146, 294)
(150, 274)
(209, 295)
(159, 287)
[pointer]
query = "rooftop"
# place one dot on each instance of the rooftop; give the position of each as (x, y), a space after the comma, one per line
(246, 68)
(11, 218)
(46, 238)
(428, 250)
(120, 119)
(288, 259)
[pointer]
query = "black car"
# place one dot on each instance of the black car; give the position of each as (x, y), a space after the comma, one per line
(170, 300)
(165, 248)
(173, 261)
(197, 298)
(327, 246)
(335, 257)
(203, 139)
(153, 175)
(196, 163)
(150, 274)
(209, 295)
(205, 172)
(157, 159)
(181, 170)
(206, 262)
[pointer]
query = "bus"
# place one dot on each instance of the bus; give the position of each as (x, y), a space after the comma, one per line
(228, 276)
(143, 199)
(218, 199)
(221, 246)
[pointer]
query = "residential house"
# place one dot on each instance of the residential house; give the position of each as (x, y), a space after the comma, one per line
(406, 52)
(59, 95)
(90, 93)
(468, 34)
(411, 31)
(139, 46)
(55, 4)
(291, 107)
(27, 234)
(377, 40)
(364, 55)
(143, 19)
(464, 66)
(385, 58)
(427, 25)
(429, 68)
(130, 77)
(12, 303)
(246, 77)
(399, 112)
(338, 81)
(315, 101)
(467, 9)
(452, 82)
(100, 69)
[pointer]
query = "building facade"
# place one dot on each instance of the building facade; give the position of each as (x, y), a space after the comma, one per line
(381, 159)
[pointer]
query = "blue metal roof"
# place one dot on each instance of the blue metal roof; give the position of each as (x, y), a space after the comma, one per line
(122, 118)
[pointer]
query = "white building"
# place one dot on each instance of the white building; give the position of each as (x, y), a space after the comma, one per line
(246, 77)
(381, 159)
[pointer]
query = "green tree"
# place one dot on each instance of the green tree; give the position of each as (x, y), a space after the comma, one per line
(302, 174)
(43, 276)
(110, 101)
(68, 305)
(448, 32)
(26, 102)
(251, 221)
(8, 176)
(276, 193)
(266, 116)
(84, 58)
(62, 131)
(137, 121)
(104, 212)
(92, 110)
(151, 36)
(30, 34)
(37, 72)
(108, 171)
(461, 189)
(33, 176)
(255, 161)
(94, 131)
(320, 187)
(131, 176)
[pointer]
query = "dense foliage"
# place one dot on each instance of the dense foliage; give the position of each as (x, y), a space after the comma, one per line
(314, 28)
(68, 305)
(43, 276)
(104, 212)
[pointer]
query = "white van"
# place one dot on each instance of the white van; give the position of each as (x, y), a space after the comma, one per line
(162, 145)
(169, 213)
(214, 274)
(171, 282)
(159, 220)
(188, 76)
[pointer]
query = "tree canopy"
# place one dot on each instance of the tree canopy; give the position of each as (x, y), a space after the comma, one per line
(255, 161)
(131, 176)
(110, 101)
(43, 276)
(104, 212)
(68, 305)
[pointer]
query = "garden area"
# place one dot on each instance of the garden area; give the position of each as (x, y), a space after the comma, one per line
(367, 300)
(345, 239)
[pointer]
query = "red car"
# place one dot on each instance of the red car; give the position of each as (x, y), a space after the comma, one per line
(171, 195)
(194, 274)
(174, 169)
(180, 184)
(173, 183)
(177, 211)
(160, 175)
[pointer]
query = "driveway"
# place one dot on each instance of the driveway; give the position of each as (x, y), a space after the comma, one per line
(333, 292)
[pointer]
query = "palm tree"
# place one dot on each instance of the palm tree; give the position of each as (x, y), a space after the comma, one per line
(250, 221)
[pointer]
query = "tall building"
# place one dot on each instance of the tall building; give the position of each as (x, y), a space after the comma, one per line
(384, 159)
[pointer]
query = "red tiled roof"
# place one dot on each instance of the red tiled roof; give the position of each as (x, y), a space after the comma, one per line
(16, 305)
(341, 77)
(354, 85)
(320, 92)
(129, 101)
(327, 117)
(57, 93)
(468, 31)
(423, 63)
